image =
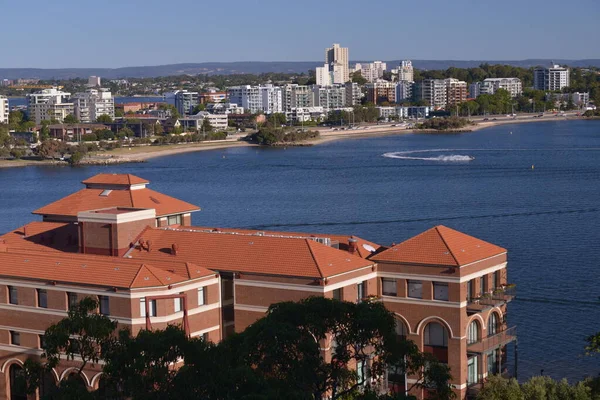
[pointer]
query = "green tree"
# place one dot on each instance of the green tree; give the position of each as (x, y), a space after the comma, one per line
(357, 77)
(104, 119)
(51, 149)
(16, 153)
(198, 108)
(76, 158)
(206, 126)
(126, 132)
(15, 118)
(45, 131)
(70, 119)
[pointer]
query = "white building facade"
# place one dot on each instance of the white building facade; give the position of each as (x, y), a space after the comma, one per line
(186, 101)
(329, 97)
(404, 91)
(551, 78)
(511, 85)
(295, 96)
(371, 71)
(337, 57)
(404, 72)
(4, 110)
(49, 104)
(91, 104)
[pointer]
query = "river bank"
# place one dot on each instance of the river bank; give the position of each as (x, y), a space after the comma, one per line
(144, 153)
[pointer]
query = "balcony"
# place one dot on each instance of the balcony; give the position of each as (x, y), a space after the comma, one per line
(495, 298)
(493, 342)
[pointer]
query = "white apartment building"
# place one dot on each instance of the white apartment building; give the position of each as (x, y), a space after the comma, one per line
(4, 110)
(91, 104)
(404, 72)
(329, 97)
(511, 85)
(371, 71)
(224, 108)
(552, 78)
(323, 76)
(337, 56)
(217, 121)
(186, 101)
(305, 114)
(272, 101)
(403, 112)
(48, 104)
(295, 96)
(354, 94)
(254, 99)
(580, 99)
(404, 91)
(474, 90)
(433, 91)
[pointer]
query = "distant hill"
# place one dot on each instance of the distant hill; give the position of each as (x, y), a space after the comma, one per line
(245, 67)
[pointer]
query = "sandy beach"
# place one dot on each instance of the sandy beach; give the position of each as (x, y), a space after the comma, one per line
(144, 153)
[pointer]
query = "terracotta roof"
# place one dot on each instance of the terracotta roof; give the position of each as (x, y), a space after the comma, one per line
(92, 270)
(115, 179)
(246, 253)
(42, 236)
(362, 244)
(440, 245)
(91, 199)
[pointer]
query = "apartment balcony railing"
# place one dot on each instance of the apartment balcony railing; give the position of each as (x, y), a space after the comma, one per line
(493, 342)
(494, 298)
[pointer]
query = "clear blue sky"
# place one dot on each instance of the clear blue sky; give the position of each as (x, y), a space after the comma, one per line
(117, 33)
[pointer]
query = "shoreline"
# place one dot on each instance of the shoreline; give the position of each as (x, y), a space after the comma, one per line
(142, 154)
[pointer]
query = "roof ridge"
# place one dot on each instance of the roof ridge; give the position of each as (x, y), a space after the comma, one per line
(137, 274)
(446, 244)
(312, 254)
(152, 269)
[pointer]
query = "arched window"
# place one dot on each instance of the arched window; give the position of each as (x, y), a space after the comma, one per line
(473, 333)
(492, 324)
(435, 335)
(47, 385)
(17, 383)
(401, 329)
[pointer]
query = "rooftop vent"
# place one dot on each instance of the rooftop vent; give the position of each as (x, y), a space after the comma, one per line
(105, 193)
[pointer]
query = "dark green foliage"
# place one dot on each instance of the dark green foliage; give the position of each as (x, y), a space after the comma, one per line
(270, 137)
(444, 124)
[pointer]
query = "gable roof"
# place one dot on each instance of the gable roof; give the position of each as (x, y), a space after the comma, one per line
(115, 179)
(440, 245)
(248, 253)
(91, 199)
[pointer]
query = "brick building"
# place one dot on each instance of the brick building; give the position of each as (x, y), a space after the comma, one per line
(137, 252)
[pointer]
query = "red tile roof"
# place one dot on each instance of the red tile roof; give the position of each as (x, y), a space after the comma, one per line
(440, 245)
(115, 179)
(94, 270)
(362, 249)
(248, 253)
(91, 199)
(42, 236)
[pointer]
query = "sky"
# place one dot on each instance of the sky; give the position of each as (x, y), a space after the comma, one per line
(119, 33)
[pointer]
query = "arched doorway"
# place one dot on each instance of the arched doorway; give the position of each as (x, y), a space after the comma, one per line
(47, 385)
(18, 389)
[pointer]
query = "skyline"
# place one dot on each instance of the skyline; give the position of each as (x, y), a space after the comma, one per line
(109, 37)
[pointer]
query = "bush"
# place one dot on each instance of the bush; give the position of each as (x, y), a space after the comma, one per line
(89, 137)
(270, 137)
(75, 158)
(443, 124)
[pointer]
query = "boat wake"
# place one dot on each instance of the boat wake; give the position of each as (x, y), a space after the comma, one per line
(414, 155)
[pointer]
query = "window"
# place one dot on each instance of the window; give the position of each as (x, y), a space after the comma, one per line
(338, 294)
(15, 338)
(362, 370)
(472, 377)
(492, 324)
(473, 334)
(470, 290)
(205, 337)
(71, 300)
(104, 305)
(360, 290)
(440, 291)
(42, 341)
(202, 296)
(388, 287)
(401, 329)
(174, 220)
(482, 285)
(492, 362)
(151, 307)
(42, 298)
(495, 280)
(436, 335)
(178, 304)
(13, 296)
(415, 289)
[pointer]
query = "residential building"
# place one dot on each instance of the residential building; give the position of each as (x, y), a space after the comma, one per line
(212, 97)
(380, 91)
(371, 71)
(418, 111)
(337, 57)
(4, 110)
(224, 108)
(185, 101)
(91, 104)
(474, 90)
(137, 253)
(457, 92)
(49, 104)
(404, 72)
(404, 91)
(296, 96)
(298, 115)
(354, 94)
(323, 76)
(138, 106)
(511, 85)
(216, 121)
(580, 99)
(94, 81)
(391, 112)
(271, 99)
(329, 97)
(551, 78)
(248, 97)
(73, 132)
(432, 91)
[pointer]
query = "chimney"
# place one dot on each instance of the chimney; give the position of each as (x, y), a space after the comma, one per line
(174, 248)
(25, 231)
(148, 246)
(352, 244)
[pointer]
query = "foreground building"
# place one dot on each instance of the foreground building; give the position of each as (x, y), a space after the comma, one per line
(136, 251)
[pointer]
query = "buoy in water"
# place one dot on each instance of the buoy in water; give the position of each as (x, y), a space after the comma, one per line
(532, 166)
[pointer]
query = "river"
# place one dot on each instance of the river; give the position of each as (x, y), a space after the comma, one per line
(531, 188)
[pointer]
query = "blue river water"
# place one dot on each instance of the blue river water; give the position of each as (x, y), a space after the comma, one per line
(532, 188)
